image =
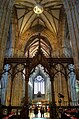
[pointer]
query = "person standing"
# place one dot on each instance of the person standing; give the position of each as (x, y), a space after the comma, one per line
(36, 111)
(42, 111)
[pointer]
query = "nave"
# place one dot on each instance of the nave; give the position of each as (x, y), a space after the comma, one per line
(39, 48)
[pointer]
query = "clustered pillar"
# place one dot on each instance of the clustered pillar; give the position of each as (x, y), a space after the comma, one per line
(72, 10)
(5, 16)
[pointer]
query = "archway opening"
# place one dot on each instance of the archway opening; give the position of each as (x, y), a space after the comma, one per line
(41, 86)
(36, 42)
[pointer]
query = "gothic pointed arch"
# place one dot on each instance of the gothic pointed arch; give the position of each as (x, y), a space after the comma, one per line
(32, 33)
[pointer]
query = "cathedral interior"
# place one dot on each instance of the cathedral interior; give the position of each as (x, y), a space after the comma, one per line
(39, 53)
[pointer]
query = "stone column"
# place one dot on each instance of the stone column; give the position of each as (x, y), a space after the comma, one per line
(5, 15)
(15, 32)
(61, 29)
(73, 24)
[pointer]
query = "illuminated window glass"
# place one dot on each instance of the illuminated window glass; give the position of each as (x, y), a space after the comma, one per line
(39, 85)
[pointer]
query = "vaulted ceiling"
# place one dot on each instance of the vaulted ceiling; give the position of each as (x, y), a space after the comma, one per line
(27, 18)
(35, 13)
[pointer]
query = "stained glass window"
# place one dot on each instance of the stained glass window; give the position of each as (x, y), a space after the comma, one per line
(39, 85)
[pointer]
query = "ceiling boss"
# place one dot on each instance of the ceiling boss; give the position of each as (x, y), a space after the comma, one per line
(38, 9)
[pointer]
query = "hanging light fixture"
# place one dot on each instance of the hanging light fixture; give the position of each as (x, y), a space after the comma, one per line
(38, 9)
